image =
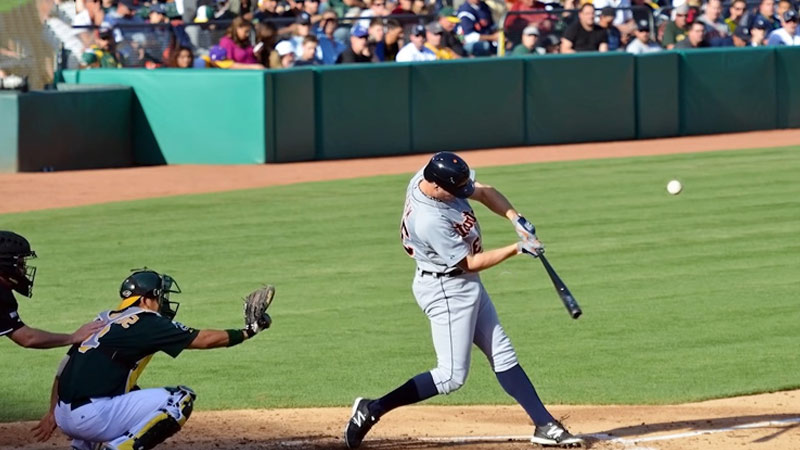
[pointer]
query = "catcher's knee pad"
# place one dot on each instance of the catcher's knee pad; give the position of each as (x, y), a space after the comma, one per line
(161, 425)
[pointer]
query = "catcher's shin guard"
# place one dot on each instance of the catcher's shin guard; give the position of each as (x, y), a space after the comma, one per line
(161, 425)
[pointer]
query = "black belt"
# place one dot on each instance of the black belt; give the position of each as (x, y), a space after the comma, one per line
(452, 273)
(75, 404)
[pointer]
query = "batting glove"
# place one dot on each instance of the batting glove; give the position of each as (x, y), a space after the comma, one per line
(525, 230)
(533, 248)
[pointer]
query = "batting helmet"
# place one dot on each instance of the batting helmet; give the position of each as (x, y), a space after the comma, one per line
(451, 173)
(150, 284)
(14, 253)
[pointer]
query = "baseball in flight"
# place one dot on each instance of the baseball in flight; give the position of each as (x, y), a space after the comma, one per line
(674, 187)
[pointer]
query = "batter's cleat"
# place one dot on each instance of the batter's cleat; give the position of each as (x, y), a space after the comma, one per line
(553, 434)
(359, 424)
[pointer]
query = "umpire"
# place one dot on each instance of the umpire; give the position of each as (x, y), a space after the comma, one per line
(17, 275)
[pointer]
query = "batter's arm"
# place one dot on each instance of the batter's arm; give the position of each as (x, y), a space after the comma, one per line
(487, 259)
(494, 200)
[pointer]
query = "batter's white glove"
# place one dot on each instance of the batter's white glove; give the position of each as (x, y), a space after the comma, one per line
(533, 248)
(525, 230)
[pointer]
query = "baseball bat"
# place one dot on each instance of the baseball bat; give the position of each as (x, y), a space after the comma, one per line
(569, 301)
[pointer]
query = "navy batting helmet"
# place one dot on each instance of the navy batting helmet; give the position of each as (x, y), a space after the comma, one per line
(150, 284)
(451, 173)
(14, 253)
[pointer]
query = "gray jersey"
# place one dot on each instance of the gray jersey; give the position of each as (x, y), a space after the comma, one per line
(438, 235)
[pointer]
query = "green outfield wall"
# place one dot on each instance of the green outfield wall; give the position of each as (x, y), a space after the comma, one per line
(82, 128)
(241, 117)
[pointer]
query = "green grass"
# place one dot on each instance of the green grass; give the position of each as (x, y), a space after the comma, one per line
(685, 297)
(7, 5)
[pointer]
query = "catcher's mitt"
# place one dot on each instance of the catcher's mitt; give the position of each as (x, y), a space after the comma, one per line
(255, 309)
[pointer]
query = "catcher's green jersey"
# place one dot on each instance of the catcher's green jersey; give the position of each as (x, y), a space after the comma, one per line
(106, 363)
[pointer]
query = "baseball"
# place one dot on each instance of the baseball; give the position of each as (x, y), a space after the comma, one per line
(674, 187)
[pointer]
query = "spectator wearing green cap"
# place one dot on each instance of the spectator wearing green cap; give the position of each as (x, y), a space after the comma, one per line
(530, 36)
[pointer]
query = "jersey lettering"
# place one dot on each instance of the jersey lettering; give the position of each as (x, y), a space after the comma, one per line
(476, 246)
(404, 231)
(464, 227)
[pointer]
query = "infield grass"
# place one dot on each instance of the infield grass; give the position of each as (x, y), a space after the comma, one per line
(685, 297)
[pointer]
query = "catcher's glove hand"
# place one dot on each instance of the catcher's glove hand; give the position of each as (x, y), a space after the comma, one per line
(256, 303)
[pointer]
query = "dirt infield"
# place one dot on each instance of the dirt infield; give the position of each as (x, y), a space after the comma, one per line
(766, 421)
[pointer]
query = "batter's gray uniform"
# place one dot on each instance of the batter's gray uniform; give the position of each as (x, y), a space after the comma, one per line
(438, 235)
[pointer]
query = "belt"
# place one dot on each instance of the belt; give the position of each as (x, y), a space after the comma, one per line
(452, 273)
(75, 404)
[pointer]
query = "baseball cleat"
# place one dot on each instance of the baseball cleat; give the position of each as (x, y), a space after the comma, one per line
(359, 424)
(554, 434)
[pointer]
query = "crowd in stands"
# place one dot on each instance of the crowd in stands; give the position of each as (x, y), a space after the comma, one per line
(258, 34)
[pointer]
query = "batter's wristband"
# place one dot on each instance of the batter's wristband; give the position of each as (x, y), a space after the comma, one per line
(235, 337)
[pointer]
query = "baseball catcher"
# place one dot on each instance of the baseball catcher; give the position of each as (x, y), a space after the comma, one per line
(17, 275)
(95, 399)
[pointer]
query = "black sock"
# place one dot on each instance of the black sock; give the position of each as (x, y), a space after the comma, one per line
(519, 386)
(415, 390)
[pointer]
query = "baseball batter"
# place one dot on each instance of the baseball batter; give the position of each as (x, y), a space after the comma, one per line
(95, 398)
(440, 231)
(17, 275)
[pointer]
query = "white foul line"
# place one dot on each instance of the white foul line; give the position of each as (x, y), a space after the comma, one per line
(610, 438)
(606, 437)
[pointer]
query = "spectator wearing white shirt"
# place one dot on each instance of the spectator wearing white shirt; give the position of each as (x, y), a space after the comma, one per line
(787, 34)
(416, 50)
(642, 43)
(91, 14)
(716, 28)
(377, 8)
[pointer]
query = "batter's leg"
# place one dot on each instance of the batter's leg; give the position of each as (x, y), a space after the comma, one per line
(493, 341)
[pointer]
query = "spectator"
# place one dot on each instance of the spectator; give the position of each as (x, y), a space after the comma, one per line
(742, 37)
(308, 55)
(716, 28)
(735, 14)
(181, 58)
(124, 14)
(765, 11)
(267, 9)
(448, 20)
(329, 48)
(104, 53)
(759, 32)
(416, 50)
(551, 44)
(516, 23)
(286, 52)
(311, 7)
(403, 7)
(528, 46)
(377, 8)
(642, 43)
(420, 8)
(434, 42)
(218, 58)
(294, 10)
(695, 37)
(783, 6)
(92, 15)
(787, 34)
(606, 22)
(302, 28)
(264, 50)
(223, 11)
(357, 52)
(236, 42)
(391, 40)
(343, 7)
(478, 28)
(675, 31)
(375, 36)
(583, 35)
(623, 15)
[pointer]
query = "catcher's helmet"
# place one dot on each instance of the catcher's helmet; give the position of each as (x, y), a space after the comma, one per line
(451, 173)
(14, 253)
(150, 284)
